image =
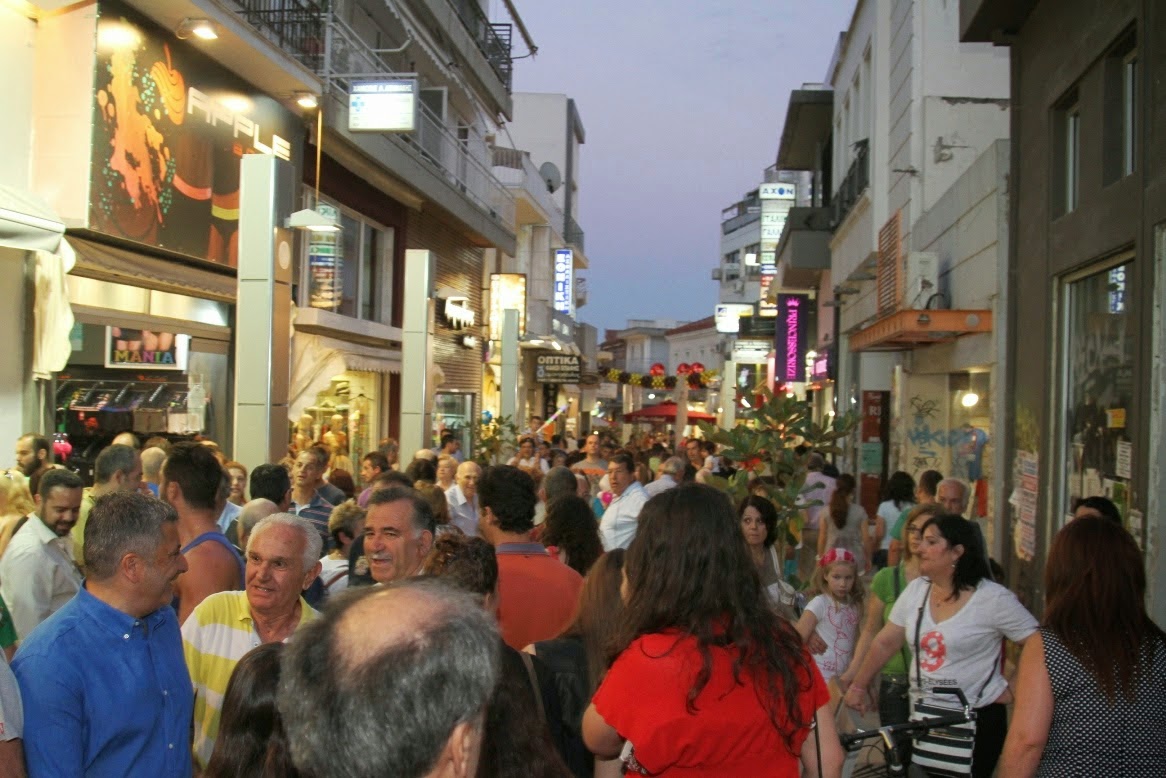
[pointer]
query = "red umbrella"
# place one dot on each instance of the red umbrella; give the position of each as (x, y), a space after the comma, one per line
(665, 412)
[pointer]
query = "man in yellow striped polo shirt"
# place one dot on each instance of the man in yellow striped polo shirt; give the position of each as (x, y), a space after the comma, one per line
(283, 555)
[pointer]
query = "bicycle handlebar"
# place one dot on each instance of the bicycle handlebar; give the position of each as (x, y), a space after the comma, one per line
(968, 715)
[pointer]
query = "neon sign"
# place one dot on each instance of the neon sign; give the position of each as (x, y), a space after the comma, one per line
(790, 337)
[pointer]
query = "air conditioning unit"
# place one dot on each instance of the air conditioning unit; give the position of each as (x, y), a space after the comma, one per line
(922, 279)
(716, 274)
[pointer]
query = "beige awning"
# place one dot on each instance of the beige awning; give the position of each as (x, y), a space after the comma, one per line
(316, 360)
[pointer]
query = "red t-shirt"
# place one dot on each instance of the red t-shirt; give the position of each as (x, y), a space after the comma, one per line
(537, 594)
(644, 698)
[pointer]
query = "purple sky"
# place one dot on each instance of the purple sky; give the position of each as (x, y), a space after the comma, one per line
(683, 111)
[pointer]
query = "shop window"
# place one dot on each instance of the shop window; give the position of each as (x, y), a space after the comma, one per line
(346, 272)
(345, 418)
(1098, 357)
(454, 413)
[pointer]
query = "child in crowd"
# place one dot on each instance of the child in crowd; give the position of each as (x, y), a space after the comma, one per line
(834, 613)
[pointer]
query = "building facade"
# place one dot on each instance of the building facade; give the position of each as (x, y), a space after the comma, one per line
(1085, 322)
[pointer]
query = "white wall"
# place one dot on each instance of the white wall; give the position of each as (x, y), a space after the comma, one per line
(540, 127)
(17, 59)
(699, 346)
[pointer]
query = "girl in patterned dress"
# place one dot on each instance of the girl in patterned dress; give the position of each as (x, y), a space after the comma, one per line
(834, 612)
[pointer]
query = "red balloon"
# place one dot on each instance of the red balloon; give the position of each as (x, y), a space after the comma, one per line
(656, 369)
(697, 367)
(683, 369)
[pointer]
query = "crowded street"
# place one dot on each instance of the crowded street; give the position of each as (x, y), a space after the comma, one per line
(332, 445)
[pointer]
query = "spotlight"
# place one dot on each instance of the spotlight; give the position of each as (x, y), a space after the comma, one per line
(198, 28)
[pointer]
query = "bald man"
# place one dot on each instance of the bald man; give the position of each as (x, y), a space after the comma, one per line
(462, 498)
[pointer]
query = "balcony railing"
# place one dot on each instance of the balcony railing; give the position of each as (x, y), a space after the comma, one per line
(856, 181)
(322, 41)
(513, 168)
(297, 28)
(493, 39)
(572, 232)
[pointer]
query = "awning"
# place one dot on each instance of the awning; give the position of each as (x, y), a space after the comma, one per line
(904, 330)
(316, 360)
(107, 262)
(27, 222)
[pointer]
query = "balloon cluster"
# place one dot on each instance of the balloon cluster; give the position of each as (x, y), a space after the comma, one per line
(695, 375)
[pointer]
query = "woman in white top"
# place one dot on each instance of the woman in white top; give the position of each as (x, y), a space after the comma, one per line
(528, 458)
(844, 525)
(953, 618)
(898, 496)
(345, 524)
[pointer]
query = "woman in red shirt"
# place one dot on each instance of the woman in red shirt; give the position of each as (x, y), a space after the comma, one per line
(706, 680)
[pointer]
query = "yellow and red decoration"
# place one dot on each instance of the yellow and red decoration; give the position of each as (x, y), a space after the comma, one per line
(695, 374)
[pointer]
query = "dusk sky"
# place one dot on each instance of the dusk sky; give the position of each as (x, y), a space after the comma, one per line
(683, 106)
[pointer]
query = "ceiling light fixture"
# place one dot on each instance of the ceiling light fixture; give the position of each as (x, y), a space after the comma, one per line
(202, 29)
(307, 100)
(970, 399)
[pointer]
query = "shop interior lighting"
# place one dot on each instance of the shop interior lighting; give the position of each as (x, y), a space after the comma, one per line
(307, 100)
(970, 399)
(312, 221)
(197, 28)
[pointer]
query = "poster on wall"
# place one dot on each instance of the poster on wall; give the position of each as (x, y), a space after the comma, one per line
(169, 130)
(133, 349)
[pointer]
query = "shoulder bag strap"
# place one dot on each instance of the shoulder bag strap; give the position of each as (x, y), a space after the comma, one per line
(898, 591)
(918, 629)
(538, 697)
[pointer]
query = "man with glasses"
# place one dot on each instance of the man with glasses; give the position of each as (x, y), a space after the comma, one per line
(619, 522)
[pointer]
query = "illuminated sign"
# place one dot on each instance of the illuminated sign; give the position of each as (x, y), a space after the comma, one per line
(751, 352)
(383, 106)
(790, 337)
(135, 349)
(766, 308)
(778, 191)
(507, 290)
(564, 294)
(458, 313)
(554, 368)
(727, 316)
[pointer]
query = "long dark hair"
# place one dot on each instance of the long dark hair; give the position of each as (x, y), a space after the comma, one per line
(900, 489)
(600, 608)
(689, 570)
(251, 742)
(972, 566)
(1095, 588)
(840, 501)
(571, 526)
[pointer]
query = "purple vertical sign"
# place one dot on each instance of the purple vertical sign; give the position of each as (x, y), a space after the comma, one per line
(790, 339)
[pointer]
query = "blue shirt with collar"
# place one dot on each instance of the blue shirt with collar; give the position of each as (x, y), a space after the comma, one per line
(105, 694)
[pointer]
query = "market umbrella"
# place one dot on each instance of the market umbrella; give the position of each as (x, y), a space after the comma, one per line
(665, 412)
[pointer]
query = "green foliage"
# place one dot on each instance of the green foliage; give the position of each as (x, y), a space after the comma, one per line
(495, 441)
(764, 446)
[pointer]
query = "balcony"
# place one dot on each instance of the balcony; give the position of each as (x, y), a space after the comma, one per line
(573, 233)
(741, 214)
(296, 29)
(535, 205)
(804, 249)
(493, 40)
(856, 182)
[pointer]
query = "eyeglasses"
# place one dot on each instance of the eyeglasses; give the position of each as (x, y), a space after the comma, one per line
(914, 532)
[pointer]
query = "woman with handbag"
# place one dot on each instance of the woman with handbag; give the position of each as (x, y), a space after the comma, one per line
(954, 618)
(706, 680)
(1091, 688)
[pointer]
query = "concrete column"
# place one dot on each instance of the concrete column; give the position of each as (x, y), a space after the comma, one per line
(508, 405)
(420, 268)
(729, 394)
(19, 412)
(263, 310)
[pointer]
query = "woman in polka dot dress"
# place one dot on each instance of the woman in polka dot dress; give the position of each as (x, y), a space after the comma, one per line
(1091, 690)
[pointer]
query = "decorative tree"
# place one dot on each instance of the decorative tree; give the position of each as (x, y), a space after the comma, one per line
(770, 445)
(495, 440)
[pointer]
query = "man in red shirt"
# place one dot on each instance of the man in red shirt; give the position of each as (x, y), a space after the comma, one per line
(537, 594)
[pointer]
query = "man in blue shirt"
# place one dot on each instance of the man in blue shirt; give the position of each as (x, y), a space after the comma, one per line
(105, 686)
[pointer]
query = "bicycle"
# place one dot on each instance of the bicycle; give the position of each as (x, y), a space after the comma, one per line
(891, 735)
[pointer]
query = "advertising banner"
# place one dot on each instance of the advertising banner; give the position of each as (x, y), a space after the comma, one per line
(790, 337)
(134, 349)
(170, 127)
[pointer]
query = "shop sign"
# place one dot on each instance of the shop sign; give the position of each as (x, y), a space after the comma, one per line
(326, 264)
(727, 316)
(134, 349)
(383, 106)
(169, 129)
(553, 368)
(766, 308)
(457, 312)
(790, 337)
(564, 297)
(751, 352)
(507, 290)
(777, 191)
(822, 369)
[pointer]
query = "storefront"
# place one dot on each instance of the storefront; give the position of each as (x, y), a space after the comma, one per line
(146, 171)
